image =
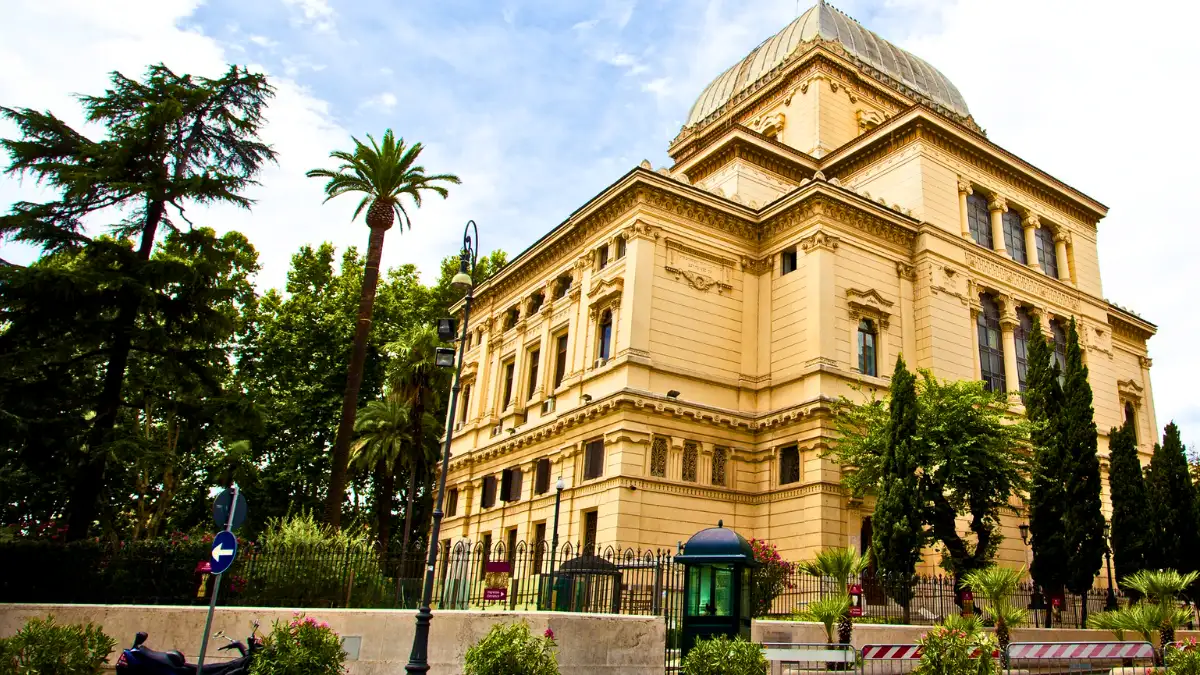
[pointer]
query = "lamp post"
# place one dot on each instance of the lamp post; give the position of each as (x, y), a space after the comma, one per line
(1110, 602)
(1036, 600)
(558, 488)
(418, 659)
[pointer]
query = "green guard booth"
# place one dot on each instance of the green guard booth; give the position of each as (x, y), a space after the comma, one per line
(716, 587)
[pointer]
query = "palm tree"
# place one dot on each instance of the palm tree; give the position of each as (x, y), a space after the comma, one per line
(417, 379)
(383, 174)
(1160, 587)
(840, 565)
(995, 586)
(383, 430)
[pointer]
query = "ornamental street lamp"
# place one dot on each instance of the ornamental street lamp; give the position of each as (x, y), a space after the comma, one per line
(558, 490)
(418, 660)
(1110, 603)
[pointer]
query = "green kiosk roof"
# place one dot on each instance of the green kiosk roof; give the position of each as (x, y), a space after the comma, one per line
(717, 545)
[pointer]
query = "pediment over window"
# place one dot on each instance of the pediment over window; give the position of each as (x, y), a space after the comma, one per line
(1130, 390)
(869, 303)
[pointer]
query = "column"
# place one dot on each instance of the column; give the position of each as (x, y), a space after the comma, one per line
(1008, 326)
(998, 207)
(975, 310)
(908, 324)
(819, 249)
(637, 297)
(477, 406)
(1031, 223)
(519, 395)
(578, 317)
(964, 190)
(1145, 362)
(1060, 251)
(545, 383)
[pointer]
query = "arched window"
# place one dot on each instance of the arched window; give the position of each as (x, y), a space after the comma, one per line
(866, 348)
(991, 346)
(978, 220)
(604, 348)
(1014, 236)
(1047, 256)
(1021, 338)
(1131, 418)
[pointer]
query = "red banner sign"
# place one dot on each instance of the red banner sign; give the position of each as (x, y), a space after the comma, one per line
(495, 580)
(855, 591)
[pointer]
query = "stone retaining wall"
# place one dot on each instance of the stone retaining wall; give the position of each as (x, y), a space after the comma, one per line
(880, 634)
(599, 644)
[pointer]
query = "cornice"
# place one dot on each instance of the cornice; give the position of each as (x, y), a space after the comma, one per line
(739, 142)
(820, 199)
(1129, 327)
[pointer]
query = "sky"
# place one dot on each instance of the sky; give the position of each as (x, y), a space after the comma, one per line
(540, 104)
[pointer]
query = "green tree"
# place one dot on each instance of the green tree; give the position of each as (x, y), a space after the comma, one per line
(383, 432)
(1047, 494)
(839, 566)
(996, 586)
(973, 462)
(1083, 520)
(170, 140)
(897, 531)
(1131, 536)
(1172, 497)
(383, 175)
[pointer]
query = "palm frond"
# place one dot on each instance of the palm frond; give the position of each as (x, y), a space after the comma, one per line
(839, 564)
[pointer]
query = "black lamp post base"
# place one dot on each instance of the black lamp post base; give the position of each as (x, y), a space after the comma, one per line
(418, 660)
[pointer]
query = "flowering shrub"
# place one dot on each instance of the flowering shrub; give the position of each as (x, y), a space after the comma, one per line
(1183, 658)
(722, 656)
(772, 577)
(947, 650)
(302, 646)
(510, 649)
(43, 647)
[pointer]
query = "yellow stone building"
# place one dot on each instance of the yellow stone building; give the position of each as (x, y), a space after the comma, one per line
(672, 349)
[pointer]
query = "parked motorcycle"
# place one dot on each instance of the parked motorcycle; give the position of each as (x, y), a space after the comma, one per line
(141, 660)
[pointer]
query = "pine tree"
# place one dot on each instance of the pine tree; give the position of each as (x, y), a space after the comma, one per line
(1172, 498)
(1047, 496)
(1131, 510)
(897, 529)
(1083, 519)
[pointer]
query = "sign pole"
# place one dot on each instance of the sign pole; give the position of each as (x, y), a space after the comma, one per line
(212, 602)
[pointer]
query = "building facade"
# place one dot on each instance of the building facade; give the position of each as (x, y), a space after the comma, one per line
(672, 349)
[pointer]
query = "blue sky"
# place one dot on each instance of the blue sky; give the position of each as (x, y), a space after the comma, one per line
(540, 104)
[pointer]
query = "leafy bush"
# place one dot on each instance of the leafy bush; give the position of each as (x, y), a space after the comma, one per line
(722, 656)
(1183, 658)
(510, 649)
(302, 646)
(826, 612)
(43, 647)
(770, 578)
(301, 562)
(947, 650)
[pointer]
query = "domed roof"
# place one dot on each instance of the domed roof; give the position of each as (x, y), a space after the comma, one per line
(717, 544)
(827, 23)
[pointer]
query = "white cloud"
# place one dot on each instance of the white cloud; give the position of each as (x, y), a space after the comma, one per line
(628, 62)
(263, 41)
(316, 14)
(382, 102)
(583, 26)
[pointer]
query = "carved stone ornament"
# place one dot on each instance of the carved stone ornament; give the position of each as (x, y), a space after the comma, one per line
(602, 289)
(998, 203)
(640, 229)
(819, 241)
(964, 186)
(1145, 361)
(1130, 390)
(757, 266)
(702, 270)
(1032, 221)
(1020, 279)
(906, 271)
(868, 119)
(869, 303)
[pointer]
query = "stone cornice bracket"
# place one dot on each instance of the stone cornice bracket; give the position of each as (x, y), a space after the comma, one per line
(964, 186)
(602, 288)
(906, 271)
(519, 326)
(640, 229)
(819, 241)
(1032, 221)
(998, 203)
(757, 266)
(581, 263)
(868, 303)
(1145, 362)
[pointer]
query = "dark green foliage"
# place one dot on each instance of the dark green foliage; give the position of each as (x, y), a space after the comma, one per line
(43, 647)
(170, 141)
(722, 656)
(510, 649)
(1083, 520)
(1131, 533)
(1047, 494)
(1172, 498)
(897, 531)
(301, 646)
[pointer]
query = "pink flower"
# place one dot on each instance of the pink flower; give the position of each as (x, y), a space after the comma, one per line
(549, 634)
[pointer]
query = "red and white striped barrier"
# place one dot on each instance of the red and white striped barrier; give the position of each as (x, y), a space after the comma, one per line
(1080, 650)
(891, 652)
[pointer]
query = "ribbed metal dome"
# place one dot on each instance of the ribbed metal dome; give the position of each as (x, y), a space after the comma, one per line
(827, 23)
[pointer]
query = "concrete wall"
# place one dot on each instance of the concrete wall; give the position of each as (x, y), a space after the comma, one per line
(588, 643)
(876, 634)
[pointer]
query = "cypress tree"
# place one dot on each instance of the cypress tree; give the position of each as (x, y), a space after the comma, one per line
(1172, 499)
(897, 528)
(1083, 519)
(1047, 497)
(1130, 509)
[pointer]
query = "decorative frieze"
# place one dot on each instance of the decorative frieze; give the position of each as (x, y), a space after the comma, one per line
(1023, 279)
(702, 270)
(757, 266)
(819, 241)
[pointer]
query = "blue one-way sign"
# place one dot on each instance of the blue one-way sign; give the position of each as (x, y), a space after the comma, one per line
(224, 550)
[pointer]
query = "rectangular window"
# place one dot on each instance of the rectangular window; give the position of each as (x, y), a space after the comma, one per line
(535, 359)
(591, 521)
(691, 452)
(866, 348)
(452, 503)
(991, 345)
(511, 547)
(979, 220)
(604, 348)
(466, 401)
(445, 559)
(719, 458)
(561, 286)
(560, 361)
(1014, 236)
(787, 261)
(535, 303)
(539, 546)
(1021, 341)
(620, 247)
(602, 257)
(541, 476)
(487, 554)
(510, 485)
(1046, 253)
(508, 383)
(593, 459)
(789, 465)
(488, 499)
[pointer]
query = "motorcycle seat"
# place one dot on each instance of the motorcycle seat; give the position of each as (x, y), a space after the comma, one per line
(172, 658)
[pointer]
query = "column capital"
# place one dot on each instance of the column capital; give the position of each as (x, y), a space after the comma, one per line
(1032, 221)
(906, 271)
(998, 203)
(1145, 361)
(1063, 237)
(964, 186)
